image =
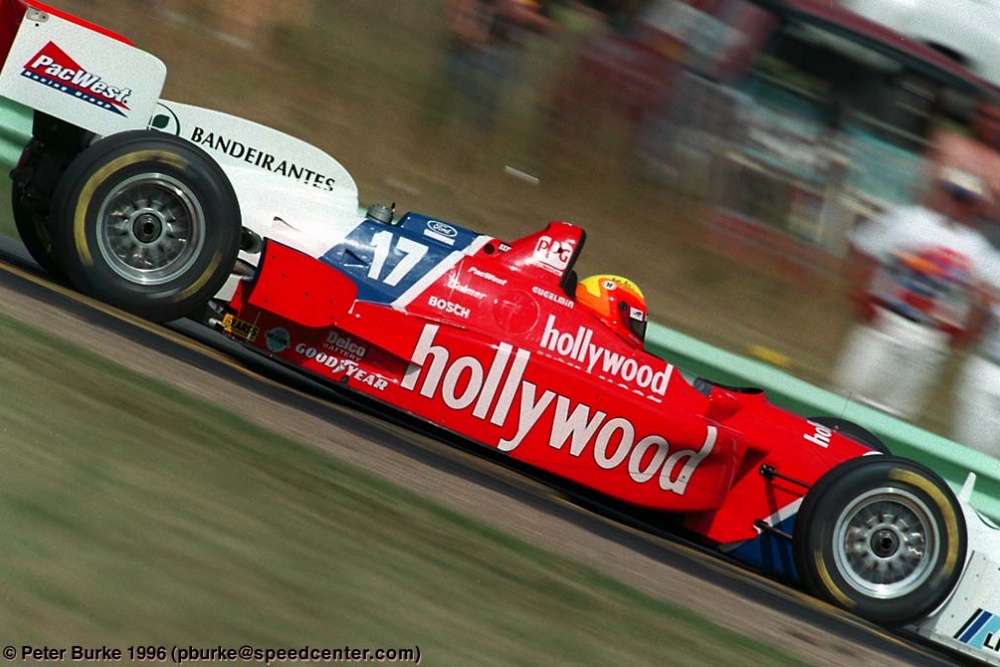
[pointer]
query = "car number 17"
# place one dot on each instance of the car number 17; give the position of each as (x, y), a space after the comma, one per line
(411, 251)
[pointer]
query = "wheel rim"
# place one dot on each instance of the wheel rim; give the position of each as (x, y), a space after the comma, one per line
(886, 543)
(151, 229)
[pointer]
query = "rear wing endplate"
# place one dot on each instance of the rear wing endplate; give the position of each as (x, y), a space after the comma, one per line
(81, 76)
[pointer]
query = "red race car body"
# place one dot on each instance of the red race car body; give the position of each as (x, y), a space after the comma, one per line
(487, 340)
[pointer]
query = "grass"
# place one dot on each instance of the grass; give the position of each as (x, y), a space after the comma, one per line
(135, 515)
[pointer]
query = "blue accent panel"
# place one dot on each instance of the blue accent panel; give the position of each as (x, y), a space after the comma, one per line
(974, 628)
(436, 230)
(770, 553)
(358, 256)
(987, 634)
(984, 629)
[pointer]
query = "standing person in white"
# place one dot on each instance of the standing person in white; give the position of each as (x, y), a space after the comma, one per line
(917, 276)
(976, 413)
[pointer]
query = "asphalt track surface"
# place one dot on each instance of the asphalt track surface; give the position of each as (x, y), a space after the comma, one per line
(477, 484)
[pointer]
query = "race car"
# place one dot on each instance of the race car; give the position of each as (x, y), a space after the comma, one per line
(157, 207)
(500, 344)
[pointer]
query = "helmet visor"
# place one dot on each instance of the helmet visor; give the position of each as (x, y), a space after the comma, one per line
(635, 319)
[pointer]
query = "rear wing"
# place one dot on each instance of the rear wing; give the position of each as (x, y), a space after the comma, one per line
(76, 71)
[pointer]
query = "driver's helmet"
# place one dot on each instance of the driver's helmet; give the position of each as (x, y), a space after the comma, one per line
(616, 301)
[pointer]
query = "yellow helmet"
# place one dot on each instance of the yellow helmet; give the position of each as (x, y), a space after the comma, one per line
(618, 302)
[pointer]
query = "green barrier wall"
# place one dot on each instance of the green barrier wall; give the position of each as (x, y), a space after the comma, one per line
(15, 131)
(949, 459)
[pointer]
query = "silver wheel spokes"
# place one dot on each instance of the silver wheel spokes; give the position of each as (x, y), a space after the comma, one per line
(151, 229)
(885, 543)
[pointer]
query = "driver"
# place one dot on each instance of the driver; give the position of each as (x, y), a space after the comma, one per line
(618, 302)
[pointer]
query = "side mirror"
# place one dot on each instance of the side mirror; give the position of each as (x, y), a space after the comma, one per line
(722, 405)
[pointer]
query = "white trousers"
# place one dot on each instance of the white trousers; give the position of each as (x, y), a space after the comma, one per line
(891, 363)
(976, 415)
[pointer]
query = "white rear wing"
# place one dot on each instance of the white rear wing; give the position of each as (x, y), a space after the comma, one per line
(81, 76)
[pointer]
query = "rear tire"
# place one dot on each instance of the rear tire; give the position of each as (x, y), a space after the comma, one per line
(881, 536)
(32, 183)
(146, 222)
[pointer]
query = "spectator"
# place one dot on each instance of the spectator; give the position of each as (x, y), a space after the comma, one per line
(917, 275)
(248, 24)
(483, 54)
(976, 411)
(251, 23)
(978, 155)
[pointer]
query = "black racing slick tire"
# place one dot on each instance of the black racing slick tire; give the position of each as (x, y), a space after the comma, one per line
(853, 431)
(146, 222)
(881, 536)
(30, 190)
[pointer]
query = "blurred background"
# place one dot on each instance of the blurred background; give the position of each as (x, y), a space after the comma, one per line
(717, 151)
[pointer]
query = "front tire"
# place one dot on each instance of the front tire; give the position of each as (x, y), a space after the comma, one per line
(146, 222)
(883, 537)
